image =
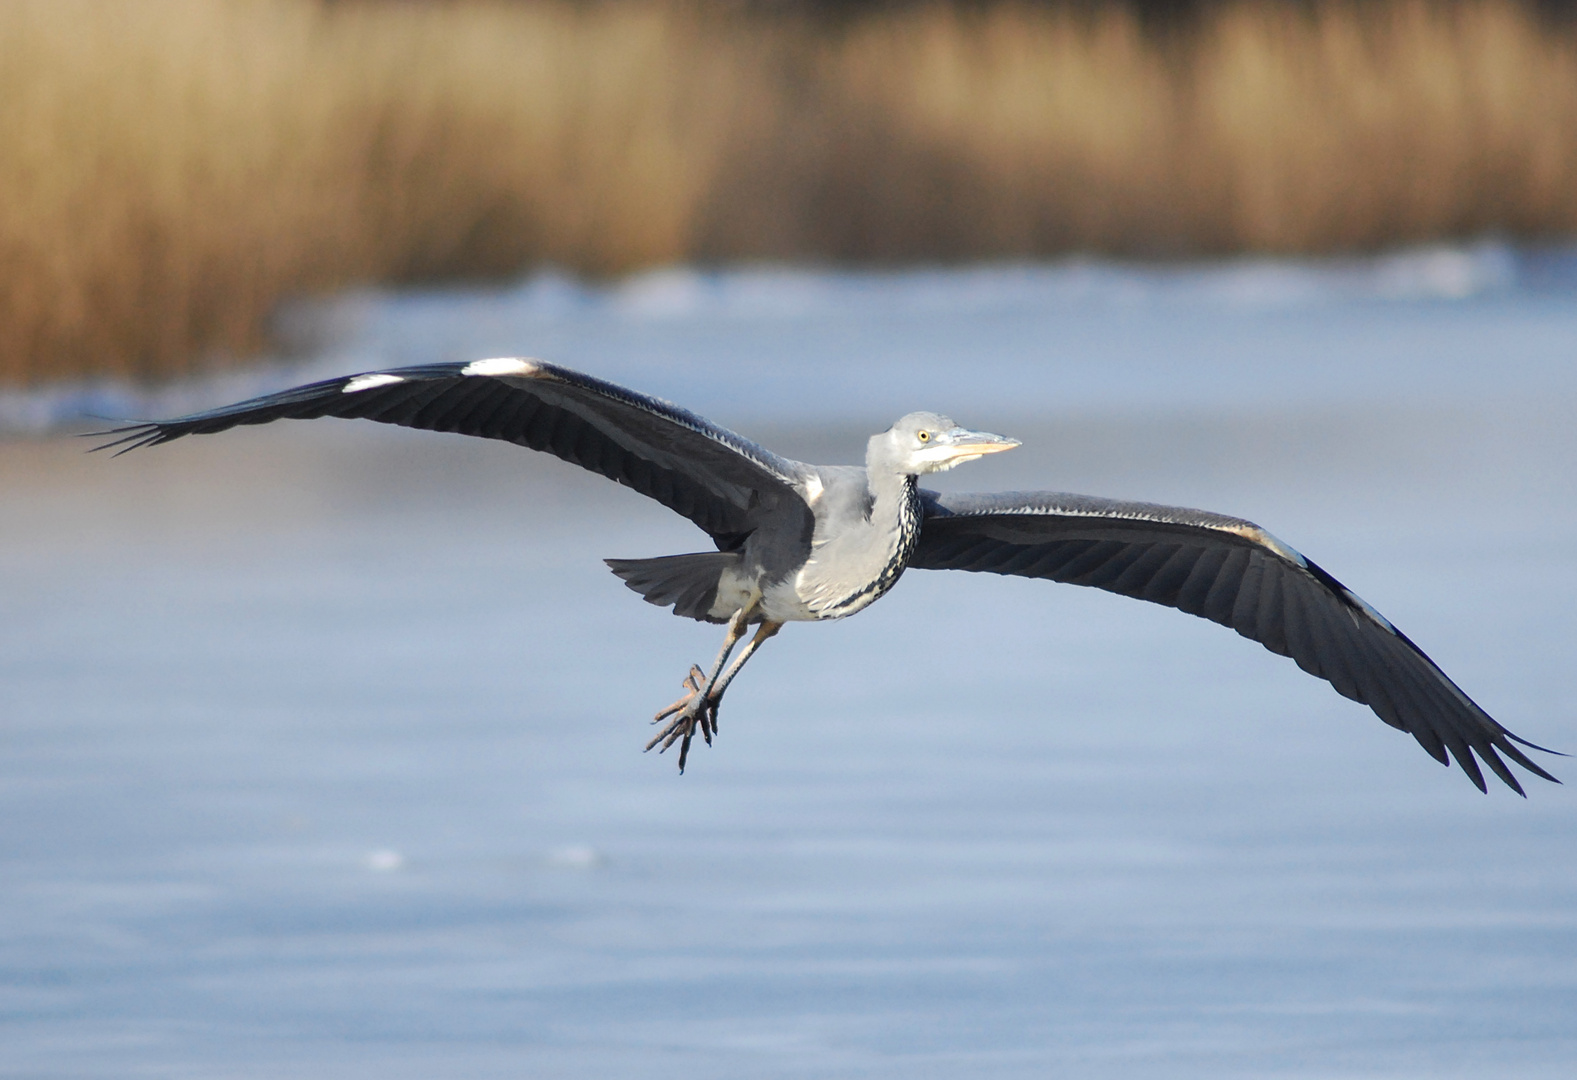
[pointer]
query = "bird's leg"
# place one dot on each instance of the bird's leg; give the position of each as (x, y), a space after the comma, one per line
(703, 704)
(714, 693)
(695, 681)
(689, 708)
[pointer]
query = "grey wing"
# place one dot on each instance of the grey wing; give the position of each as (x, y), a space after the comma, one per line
(1231, 572)
(720, 481)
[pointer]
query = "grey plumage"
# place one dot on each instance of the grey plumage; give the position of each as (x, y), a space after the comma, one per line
(1232, 572)
(798, 542)
(686, 583)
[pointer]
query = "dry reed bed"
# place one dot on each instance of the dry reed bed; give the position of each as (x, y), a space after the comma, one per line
(170, 169)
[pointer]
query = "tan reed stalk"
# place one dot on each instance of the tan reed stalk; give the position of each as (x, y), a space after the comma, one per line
(171, 169)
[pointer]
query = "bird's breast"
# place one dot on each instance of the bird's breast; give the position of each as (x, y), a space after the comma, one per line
(848, 571)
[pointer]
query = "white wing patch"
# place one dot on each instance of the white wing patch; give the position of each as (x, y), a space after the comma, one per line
(1266, 540)
(1367, 610)
(500, 365)
(369, 382)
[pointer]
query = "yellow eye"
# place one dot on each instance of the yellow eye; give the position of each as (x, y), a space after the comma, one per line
(924, 436)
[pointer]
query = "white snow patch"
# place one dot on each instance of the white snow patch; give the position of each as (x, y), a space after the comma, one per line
(575, 857)
(383, 860)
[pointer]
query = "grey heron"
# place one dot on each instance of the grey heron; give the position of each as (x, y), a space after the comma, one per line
(802, 543)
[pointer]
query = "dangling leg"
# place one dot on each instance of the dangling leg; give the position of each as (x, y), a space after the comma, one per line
(714, 696)
(690, 707)
(704, 703)
(694, 681)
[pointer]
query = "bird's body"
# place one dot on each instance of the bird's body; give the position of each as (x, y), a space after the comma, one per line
(864, 534)
(802, 543)
(850, 570)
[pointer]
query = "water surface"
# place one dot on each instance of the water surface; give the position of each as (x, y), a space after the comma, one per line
(322, 741)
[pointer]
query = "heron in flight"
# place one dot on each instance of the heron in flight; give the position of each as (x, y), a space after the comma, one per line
(802, 543)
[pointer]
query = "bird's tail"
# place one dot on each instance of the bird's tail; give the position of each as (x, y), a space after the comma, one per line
(688, 582)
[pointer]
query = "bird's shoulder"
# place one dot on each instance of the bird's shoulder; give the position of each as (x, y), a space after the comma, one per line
(830, 489)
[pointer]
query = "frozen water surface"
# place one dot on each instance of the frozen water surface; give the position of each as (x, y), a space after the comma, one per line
(321, 741)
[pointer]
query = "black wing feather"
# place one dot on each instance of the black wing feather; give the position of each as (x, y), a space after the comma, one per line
(1234, 573)
(720, 481)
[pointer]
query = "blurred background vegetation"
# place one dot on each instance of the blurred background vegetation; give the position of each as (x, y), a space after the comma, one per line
(171, 169)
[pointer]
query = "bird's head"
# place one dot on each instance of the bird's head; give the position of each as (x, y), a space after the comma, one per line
(924, 442)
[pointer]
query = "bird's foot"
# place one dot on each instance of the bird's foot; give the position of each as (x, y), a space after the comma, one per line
(695, 709)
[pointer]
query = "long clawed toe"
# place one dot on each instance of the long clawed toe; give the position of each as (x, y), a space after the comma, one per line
(692, 683)
(691, 710)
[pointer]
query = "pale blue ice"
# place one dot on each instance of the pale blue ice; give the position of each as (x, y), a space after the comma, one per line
(320, 743)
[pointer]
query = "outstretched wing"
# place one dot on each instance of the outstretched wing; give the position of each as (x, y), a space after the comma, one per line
(1231, 572)
(720, 481)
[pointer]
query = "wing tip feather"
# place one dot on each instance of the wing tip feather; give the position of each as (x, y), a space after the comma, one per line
(131, 437)
(1533, 745)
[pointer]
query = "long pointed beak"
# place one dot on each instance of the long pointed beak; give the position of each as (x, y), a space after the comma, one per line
(961, 445)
